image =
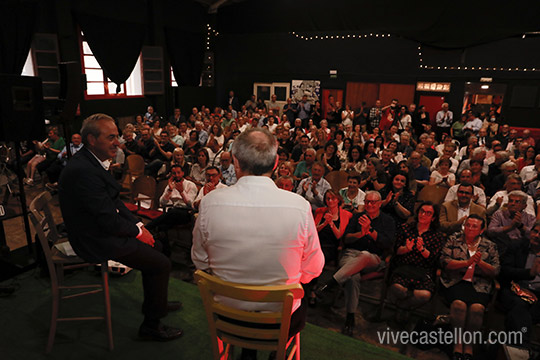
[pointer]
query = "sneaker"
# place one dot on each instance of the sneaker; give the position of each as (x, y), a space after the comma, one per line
(52, 186)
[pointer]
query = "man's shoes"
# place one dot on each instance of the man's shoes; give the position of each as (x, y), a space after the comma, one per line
(52, 186)
(29, 182)
(348, 328)
(326, 288)
(161, 333)
(174, 306)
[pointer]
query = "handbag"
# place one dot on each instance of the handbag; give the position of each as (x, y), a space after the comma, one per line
(525, 294)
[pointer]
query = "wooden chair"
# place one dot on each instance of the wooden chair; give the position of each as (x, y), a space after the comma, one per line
(337, 179)
(242, 328)
(135, 168)
(143, 189)
(42, 220)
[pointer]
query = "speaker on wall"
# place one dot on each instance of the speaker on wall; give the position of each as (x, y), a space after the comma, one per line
(21, 108)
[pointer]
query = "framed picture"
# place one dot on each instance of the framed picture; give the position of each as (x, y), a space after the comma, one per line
(310, 88)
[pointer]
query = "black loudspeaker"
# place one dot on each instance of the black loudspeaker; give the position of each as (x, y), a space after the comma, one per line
(21, 108)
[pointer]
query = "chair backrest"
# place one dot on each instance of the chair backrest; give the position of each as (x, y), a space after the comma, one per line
(144, 187)
(247, 329)
(43, 222)
(135, 165)
(433, 193)
(337, 179)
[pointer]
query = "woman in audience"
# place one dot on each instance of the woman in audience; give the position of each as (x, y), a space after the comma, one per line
(331, 222)
(396, 155)
(197, 174)
(403, 119)
(316, 113)
(398, 200)
(404, 168)
(353, 197)
(284, 169)
(156, 129)
(379, 145)
(178, 158)
(478, 178)
(357, 139)
(355, 160)
(338, 139)
(329, 158)
(320, 140)
(374, 177)
(344, 152)
(417, 248)
(139, 124)
(470, 262)
(192, 146)
(216, 132)
(527, 159)
(369, 150)
(442, 175)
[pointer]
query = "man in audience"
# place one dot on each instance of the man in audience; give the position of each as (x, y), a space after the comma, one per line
(389, 167)
(454, 213)
(368, 237)
(228, 173)
(160, 153)
(375, 115)
(304, 110)
(443, 119)
(528, 138)
(299, 150)
(213, 182)
(504, 135)
(283, 250)
(421, 149)
(449, 151)
(466, 177)
(421, 173)
(529, 173)
(177, 117)
(511, 223)
(285, 183)
(500, 198)
(303, 169)
(101, 228)
(54, 171)
(313, 188)
(146, 144)
(473, 123)
(290, 110)
(520, 265)
(478, 153)
(498, 182)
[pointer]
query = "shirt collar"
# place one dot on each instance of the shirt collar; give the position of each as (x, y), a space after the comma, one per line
(106, 164)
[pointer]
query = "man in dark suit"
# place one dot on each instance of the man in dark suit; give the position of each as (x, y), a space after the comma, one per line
(100, 227)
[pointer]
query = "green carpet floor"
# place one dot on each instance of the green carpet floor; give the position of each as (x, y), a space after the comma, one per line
(24, 324)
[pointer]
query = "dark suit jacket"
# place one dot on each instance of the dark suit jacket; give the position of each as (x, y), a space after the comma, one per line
(448, 217)
(513, 260)
(99, 225)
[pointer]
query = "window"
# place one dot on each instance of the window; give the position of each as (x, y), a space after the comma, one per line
(99, 86)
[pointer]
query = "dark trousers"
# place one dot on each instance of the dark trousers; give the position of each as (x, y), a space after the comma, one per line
(173, 217)
(519, 314)
(155, 268)
(54, 170)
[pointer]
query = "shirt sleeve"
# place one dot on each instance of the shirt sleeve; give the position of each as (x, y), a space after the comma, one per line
(199, 256)
(313, 257)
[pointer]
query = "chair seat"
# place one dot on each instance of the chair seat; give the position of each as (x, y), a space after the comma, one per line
(131, 207)
(149, 213)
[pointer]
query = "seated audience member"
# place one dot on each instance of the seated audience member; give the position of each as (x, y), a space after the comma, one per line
(405, 144)
(404, 168)
(130, 145)
(421, 173)
(374, 177)
(176, 139)
(388, 166)
(355, 160)
(285, 183)
(500, 198)
(54, 171)
(398, 200)
(202, 134)
(284, 168)
(198, 168)
(478, 178)
(367, 238)
(466, 177)
(528, 159)
(300, 149)
(49, 151)
(212, 175)
(353, 197)
(329, 157)
(479, 154)
(449, 152)
(499, 158)
(303, 168)
(227, 169)
(455, 212)
(160, 153)
(214, 152)
(192, 146)
(179, 158)
(417, 248)
(421, 149)
(530, 173)
(145, 143)
(283, 250)
(331, 221)
(498, 182)
(179, 194)
(464, 152)
(442, 175)
(520, 284)
(512, 222)
(490, 153)
(470, 262)
(314, 187)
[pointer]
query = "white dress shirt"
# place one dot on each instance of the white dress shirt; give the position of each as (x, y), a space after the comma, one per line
(451, 195)
(254, 233)
(174, 198)
(528, 173)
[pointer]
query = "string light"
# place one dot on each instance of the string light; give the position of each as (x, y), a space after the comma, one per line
(338, 37)
(421, 65)
(209, 33)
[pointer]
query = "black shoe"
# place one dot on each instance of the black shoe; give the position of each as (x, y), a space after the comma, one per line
(326, 288)
(162, 333)
(312, 301)
(174, 306)
(348, 328)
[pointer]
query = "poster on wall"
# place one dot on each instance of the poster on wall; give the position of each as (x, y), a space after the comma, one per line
(310, 88)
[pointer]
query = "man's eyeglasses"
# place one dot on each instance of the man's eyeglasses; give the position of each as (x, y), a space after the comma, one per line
(372, 201)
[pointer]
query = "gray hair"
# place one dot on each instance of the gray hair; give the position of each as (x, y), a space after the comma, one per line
(505, 156)
(256, 151)
(311, 150)
(90, 126)
(373, 192)
(520, 194)
(477, 151)
(507, 164)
